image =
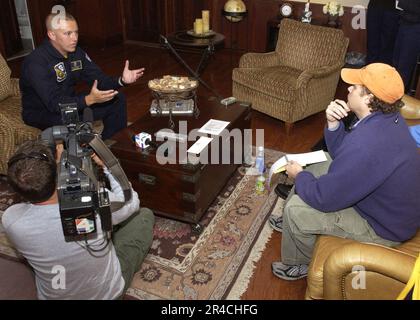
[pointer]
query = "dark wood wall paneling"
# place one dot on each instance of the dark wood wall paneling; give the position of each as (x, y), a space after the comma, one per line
(38, 11)
(100, 21)
(143, 19)
(146, 19)
(2, 45)
(10, 40)
(106, 22)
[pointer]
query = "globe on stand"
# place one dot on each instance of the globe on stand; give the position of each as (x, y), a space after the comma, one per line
(234, 10)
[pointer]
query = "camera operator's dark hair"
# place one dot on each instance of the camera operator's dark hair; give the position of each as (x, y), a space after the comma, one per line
(32, 172)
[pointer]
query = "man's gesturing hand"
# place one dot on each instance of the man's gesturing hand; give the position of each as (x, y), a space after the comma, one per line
(98, 96)
(336, 111)
(131, 76)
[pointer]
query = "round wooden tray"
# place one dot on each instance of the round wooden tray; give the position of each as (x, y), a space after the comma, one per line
(208, 34)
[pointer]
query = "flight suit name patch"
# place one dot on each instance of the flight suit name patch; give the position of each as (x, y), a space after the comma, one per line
(76, 65)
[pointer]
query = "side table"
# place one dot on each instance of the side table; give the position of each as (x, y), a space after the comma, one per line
(184, 41)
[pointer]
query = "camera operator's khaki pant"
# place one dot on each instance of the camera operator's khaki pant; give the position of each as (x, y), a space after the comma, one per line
(132, 242)
(302, 224)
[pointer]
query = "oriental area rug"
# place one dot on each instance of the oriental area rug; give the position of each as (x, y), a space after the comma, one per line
(215, 265)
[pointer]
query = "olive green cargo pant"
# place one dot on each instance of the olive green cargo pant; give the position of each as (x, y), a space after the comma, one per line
(132, 242)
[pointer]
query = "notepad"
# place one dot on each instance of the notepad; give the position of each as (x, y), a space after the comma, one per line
(303, 159)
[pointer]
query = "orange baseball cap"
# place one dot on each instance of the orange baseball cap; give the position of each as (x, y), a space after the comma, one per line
(381, 79)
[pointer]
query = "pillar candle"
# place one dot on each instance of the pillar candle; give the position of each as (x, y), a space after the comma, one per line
(206, 20)
(198, 26)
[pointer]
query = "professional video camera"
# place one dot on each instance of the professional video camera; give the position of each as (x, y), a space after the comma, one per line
(81, 193)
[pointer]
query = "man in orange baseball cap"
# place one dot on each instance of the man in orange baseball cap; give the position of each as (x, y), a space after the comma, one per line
(381, 79)
(368, 190)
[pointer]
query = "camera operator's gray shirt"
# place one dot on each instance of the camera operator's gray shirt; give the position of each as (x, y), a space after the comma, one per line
(66, 270)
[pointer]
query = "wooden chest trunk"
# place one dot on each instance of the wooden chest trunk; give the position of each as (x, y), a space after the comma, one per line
(178, 191)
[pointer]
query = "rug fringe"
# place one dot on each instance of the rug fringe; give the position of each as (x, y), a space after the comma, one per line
(242, 283)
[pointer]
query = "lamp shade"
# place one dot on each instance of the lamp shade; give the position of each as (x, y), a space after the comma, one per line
(234, 10)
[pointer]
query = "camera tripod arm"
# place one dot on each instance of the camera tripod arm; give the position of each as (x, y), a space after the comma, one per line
(196, 76)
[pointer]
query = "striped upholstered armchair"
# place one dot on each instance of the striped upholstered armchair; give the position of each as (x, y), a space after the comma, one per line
(13, 131)
(297, 80)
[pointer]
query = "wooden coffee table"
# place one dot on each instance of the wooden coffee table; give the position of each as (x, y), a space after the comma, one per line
(178, 191)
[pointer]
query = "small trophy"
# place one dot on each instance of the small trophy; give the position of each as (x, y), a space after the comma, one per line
(307, 14)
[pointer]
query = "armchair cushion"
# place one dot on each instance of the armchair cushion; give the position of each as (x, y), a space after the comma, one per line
(275, 81)
(5, 85)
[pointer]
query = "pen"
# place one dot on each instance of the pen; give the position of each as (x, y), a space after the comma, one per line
(287, 158)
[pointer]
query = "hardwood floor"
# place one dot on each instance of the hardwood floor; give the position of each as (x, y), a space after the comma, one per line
(218, 74)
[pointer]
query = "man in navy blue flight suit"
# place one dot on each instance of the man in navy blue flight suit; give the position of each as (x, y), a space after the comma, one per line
(50, 73)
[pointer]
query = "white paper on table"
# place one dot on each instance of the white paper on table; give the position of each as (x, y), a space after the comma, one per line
(214, 127)
(200, 145)
(302, 158)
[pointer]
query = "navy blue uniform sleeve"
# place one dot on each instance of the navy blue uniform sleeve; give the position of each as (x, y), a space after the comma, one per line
(334, 139)
(92, 72)
(46, 87)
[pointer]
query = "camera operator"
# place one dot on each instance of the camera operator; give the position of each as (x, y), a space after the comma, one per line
(35, 229)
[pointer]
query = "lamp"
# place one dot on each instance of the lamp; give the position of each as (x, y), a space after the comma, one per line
(234, 10)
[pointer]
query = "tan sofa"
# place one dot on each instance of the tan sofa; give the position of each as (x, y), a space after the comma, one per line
(299, 78)
(13, 131)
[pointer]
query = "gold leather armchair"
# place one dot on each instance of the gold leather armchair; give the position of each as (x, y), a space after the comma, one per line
(388, 270)
(13, 131)
(299, 78)
(411, 110)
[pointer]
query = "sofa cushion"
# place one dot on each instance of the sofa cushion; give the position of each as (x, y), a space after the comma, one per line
(5, 85)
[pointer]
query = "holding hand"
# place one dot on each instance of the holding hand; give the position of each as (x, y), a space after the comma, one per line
(59, 148)
(98, 96)
(131, 76)
(98, 161)
(293, 169)
(336, 111)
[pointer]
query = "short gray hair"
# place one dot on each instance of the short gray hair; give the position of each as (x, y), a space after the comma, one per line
(48, 21)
